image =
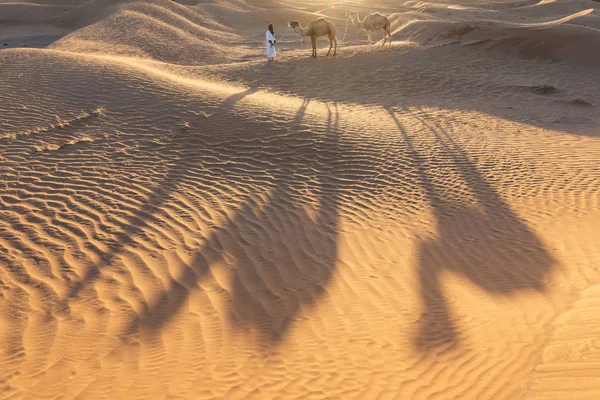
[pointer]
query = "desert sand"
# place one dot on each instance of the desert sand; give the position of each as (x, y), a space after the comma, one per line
(180, 219)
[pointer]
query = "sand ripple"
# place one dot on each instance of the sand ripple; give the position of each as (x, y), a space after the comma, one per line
(414, 223)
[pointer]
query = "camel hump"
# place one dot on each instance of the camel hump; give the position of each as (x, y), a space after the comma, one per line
(321, 19)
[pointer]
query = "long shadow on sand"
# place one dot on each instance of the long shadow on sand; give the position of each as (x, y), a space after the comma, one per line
(262, 247)
(142, 216)
(485, 242)
(279, 256)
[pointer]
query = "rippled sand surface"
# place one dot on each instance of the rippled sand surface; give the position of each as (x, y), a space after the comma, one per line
(180, 219)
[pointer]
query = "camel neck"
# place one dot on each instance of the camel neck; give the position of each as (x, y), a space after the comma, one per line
(358, 21)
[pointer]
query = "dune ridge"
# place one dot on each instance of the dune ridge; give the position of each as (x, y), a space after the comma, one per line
(179, 219)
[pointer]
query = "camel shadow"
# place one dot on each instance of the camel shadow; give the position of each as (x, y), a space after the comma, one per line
(143, 216)
(278, 256)
(485, 242)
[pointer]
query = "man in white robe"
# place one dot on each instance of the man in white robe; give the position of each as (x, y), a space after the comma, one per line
(270, 39)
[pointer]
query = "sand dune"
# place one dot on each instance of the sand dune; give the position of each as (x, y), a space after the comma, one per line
(180, 219)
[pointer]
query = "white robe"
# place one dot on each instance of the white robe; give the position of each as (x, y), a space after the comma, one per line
(271, 53)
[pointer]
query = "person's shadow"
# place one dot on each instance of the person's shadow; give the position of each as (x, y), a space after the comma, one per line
(484, 241)
(278, 256)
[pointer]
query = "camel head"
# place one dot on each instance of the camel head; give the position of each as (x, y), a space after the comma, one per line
(353, 15)
(294, 25)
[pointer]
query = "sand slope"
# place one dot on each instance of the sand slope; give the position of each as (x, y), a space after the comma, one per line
(180, 219)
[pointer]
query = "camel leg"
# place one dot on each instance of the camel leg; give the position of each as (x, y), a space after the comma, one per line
(384, 38)
(332, 43)
(335, 45)
(314, 46)
(369, 36)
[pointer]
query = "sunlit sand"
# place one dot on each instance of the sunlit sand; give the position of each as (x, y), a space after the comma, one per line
(181, 219)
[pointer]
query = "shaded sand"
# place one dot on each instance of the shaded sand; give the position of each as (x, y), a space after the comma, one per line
(180, 219)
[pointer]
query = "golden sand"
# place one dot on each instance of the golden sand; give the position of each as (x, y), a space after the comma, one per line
(180, 219)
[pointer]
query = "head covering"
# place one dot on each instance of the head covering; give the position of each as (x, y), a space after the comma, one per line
(271, 28)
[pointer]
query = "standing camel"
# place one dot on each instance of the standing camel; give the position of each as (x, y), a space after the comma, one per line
(371, 23)
(315, 29)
